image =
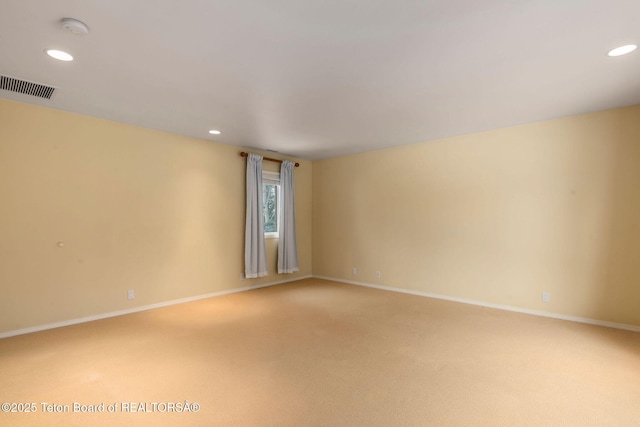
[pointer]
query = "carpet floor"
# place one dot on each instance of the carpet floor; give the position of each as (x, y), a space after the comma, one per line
(320, 353)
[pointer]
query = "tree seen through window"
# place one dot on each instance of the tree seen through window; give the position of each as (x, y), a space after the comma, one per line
(270, 212)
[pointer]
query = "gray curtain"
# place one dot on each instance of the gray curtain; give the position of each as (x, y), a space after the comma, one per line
(255, 254)
(287, 248)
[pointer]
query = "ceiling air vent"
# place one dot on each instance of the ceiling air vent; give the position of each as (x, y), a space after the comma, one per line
(25, 87)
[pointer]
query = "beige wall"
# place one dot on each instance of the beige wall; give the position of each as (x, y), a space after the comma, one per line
(497, 217)
(136, 209)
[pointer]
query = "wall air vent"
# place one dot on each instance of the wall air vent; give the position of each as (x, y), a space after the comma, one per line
(25, 87)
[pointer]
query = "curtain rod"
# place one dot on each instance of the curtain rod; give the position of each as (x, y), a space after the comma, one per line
(243, 154)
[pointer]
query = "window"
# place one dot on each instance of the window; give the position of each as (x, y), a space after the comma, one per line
(271, 203)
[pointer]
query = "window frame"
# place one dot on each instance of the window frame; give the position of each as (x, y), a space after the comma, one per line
(272, 178)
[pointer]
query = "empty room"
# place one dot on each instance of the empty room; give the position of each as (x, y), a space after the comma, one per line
(354, 213)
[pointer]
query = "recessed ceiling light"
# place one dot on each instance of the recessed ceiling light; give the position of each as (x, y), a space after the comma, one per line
(622, 50)
(214, 132)
(60, 55)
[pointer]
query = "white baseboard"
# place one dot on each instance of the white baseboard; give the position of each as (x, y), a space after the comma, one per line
(143, 308)
(489, 305)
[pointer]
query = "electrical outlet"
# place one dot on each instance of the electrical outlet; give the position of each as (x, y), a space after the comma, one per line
(241, 276)
(546, 296)
(378, 275)
(131, 294)
(354, 271)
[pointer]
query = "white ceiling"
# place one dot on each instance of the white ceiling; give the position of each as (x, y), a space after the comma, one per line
(325, 78)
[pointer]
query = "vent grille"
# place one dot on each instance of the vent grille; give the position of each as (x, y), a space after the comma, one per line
(25, 87)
